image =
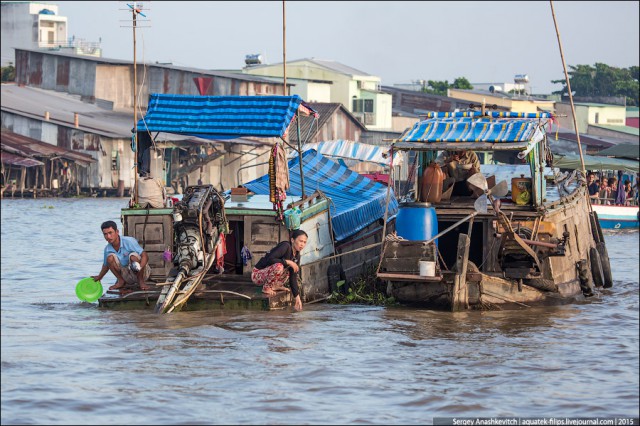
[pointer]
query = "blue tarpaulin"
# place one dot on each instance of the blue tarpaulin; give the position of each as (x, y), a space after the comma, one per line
(356, 201)
(216, 117)
(468, 129)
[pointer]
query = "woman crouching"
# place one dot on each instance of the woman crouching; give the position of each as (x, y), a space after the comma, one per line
(281, 264)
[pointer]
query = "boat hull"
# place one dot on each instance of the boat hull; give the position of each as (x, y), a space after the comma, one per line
(255, 228)
(618, 217)
(504, 281)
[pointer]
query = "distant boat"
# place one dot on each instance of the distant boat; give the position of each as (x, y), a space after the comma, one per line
(618, 217)
(611, 216)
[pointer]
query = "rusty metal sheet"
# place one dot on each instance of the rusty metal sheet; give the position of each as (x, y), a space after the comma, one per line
(16, 160)
(33, 147)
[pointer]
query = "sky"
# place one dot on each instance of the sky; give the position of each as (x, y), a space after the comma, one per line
(400, 42)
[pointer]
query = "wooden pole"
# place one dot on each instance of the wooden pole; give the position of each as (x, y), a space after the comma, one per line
(284, 48)
(135, 110)
(300, 154)
(566, 76)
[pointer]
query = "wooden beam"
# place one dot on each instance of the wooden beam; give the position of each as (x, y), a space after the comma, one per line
(460, 294)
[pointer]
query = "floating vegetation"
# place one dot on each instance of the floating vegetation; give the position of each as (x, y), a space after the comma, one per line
(367, 290)
(47, 207)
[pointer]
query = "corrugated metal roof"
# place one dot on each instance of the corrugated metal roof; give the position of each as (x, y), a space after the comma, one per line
(328, 64)
(31, 147)
(17, 160)
(338, 67)
(621, 129)
(32, 102)
(309, 127)
(238, 75)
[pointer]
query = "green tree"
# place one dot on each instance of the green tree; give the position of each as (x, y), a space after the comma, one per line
(602, 80)
(8, 73)
(461, 83)
(440, 87)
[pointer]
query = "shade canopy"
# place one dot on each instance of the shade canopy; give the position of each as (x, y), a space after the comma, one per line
(222, 117)
(476, 130)
(350, 150)
(594, 162)
(356, 201)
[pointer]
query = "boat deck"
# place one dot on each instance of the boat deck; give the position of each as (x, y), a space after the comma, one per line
(217, 292)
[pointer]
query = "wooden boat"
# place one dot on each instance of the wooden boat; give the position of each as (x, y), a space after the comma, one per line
(216, 238)
(492, 250)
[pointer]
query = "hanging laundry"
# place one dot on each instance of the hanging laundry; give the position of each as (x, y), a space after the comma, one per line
(245, 254)
(278, 180)
(221, 250)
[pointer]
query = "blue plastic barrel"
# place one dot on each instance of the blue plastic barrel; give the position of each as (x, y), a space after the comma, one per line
(416, 221)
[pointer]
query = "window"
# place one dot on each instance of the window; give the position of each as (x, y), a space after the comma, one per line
(597, 119)
(362, 105)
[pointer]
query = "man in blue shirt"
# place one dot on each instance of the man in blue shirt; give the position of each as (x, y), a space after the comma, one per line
(124, 257)
(594, 187)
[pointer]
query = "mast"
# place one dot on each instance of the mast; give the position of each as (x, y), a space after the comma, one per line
(136, 9)
(284, 49)
(566, 76)
(135, 106)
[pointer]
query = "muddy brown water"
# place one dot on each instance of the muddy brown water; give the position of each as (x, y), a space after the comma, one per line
(68, 362)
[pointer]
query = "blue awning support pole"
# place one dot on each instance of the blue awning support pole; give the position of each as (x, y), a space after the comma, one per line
(300, 153)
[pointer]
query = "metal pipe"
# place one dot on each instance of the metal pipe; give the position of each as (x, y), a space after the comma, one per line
(534, 243)
(464, 219)
(300, 154)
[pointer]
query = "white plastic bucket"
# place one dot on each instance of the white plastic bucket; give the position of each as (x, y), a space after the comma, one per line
(427, 268)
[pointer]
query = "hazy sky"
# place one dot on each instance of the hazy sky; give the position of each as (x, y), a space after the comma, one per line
(398, 41)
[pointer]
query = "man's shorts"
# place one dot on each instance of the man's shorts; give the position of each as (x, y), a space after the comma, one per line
(128, 275)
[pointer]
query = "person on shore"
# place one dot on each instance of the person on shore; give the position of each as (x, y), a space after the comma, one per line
(613, 190)
(124, 257)
(605, 192)
(281, 264)
(629, 193)
(594, 188)
(458, 166)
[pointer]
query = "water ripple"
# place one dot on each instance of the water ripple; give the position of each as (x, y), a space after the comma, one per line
(68, 362)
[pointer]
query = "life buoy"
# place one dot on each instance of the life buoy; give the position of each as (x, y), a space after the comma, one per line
(606, 264)
(596, 267)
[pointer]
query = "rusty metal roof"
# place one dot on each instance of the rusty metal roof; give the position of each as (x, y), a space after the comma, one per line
(17, 160)
(13, 143)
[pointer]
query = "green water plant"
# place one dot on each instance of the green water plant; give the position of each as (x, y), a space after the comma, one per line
(367, 289)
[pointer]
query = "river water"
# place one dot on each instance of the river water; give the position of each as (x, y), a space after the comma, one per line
(68, 362)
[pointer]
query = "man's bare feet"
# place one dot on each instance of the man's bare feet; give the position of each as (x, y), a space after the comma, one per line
(117, 285)
(268, 292)
(145, 287)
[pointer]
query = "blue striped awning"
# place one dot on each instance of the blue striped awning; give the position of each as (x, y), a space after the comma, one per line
(357, 201)
(493, 114)
(468, 129)
(356, 151)
(213, 117)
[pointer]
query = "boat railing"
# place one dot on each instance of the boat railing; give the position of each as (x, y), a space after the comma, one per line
(612, 202)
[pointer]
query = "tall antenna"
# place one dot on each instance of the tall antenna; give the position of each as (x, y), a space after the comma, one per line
(136, 9)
